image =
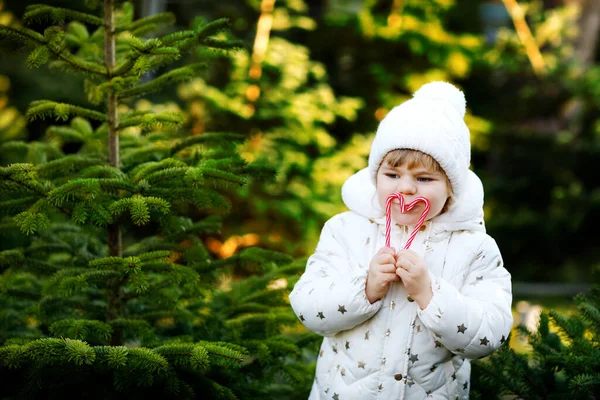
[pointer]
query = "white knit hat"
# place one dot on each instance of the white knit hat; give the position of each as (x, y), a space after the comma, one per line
(433, 123)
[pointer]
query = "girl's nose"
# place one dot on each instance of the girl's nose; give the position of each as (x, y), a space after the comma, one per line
(406, 186)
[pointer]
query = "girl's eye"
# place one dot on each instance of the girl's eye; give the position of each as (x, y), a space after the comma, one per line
(390, 175)
(424, 179)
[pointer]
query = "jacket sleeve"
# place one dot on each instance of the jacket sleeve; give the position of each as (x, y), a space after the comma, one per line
(474, 320)
(330, 295)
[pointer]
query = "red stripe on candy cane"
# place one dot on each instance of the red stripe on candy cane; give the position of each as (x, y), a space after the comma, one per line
(404, 208)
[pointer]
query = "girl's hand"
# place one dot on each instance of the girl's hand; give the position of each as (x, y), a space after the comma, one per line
(415, 276)
(382, 271)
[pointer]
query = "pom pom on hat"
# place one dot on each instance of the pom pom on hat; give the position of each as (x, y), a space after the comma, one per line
(443, 91)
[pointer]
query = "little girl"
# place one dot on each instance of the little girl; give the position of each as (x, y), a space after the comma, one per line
(403, 324)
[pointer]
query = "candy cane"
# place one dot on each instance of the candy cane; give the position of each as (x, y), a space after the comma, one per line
(404, 208)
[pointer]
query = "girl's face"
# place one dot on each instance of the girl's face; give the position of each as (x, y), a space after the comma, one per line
(411, 182)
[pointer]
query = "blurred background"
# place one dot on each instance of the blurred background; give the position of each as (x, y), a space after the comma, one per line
(314, 78)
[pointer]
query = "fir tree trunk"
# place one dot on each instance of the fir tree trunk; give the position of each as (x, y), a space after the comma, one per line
(114, 231)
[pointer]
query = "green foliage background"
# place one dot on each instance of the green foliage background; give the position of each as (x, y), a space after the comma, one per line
(330, 73)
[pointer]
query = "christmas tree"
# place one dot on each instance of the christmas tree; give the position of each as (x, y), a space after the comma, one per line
(108, 289)
(564, 362)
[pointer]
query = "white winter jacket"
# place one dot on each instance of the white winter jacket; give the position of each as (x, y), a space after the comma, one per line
(392, 349)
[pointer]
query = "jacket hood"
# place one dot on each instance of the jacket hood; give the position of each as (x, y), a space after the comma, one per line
(466, 212)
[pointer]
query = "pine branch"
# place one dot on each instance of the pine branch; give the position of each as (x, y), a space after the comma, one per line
(225, 354)
(165, 174)
(60, 111)
(260, 171)
(19, 172)
(67, 134)
(81, 329)
(103, 171)
(56, 15)
(114, 185)
(150, 120)
(75, 190)
(206, 199)
(572, 327)
(11, 257)
(14, 146)
(97, 93)
(589, 307)
(154, 256)
(207, 137)
(212, 28)
(195, 176)
(144, 30)
(97, 214)
(30, 222)
(222, 391)
(148, 360)
(174, 38)
(64, 284)
(49, 352)
(170, 78)
(139, 208)
(138, 156)
(111, 263)
(45, 248)
(11, 207)
(67, 165)
(50, 41)
(144, 57)
(194, 357)
(22, 35)
(40, 267)
(585, 384)
(224, 44)
(38, 57)
(141, 171)
(73, 65)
